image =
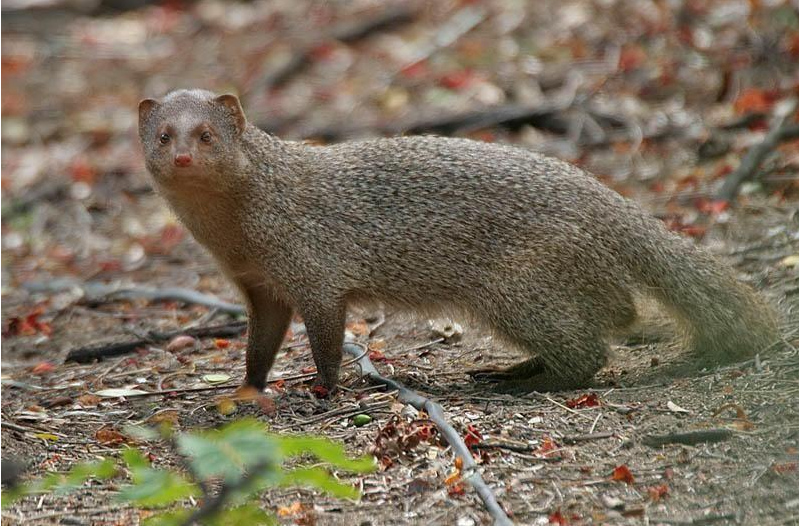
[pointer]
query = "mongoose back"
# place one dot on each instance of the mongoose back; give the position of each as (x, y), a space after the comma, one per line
(535, 248)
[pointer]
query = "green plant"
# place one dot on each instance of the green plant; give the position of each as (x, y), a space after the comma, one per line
(242, 457)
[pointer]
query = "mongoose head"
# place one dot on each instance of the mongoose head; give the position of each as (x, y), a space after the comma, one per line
(190, 137)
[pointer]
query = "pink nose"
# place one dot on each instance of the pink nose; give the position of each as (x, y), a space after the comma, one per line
(183, 160)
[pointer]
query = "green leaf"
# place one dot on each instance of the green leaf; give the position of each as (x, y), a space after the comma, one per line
(156, 487)
(152, 487)
(10, 496)
(324, 450)
(246, 515)
(229, 451)
(320, 479)
(171, 518)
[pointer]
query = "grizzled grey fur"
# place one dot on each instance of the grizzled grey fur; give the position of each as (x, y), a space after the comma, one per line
(535, 248)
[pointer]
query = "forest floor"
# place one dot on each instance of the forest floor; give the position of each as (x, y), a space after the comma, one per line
(660, 104)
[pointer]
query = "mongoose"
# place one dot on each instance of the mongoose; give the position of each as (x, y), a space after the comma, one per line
(535, 248)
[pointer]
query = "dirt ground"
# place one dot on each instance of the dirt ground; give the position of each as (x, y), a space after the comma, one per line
(666, 99)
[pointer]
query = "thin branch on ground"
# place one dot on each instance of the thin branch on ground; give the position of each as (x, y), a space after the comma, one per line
(688, 438)
(781, 130)
(470, 469)
(98, 292)
(90, 353)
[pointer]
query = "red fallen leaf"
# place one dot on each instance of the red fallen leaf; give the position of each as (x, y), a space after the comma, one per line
(631, 57)
(622, 472)
(279, 384)
(320, 392)
(386, 462)
(788, 467)
(424, 432)
(42, 368)
(658, 492)
(376, 355)
(456, 490)
(586, 400)
(711, 206)
(323, 51)
(221, 343)
(109, 436)
(415, 70)
(754, 100)
(110, 265)
(267, 405)
(29, 325)
(472, 437)
(547, 447)
(457, 80)
(81, 171)
(558, 519)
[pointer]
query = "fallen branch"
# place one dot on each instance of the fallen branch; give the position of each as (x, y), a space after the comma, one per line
(781, 130)
(344, 32)
(98, 292)
(99, 352)
(689, 438)
(511, 116)
(470, 469)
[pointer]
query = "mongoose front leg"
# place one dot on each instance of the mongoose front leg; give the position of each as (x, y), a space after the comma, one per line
(269, 319)
(325, 326)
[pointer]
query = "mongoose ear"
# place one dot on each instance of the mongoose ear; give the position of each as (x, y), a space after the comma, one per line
(146, 107)
(231, 102)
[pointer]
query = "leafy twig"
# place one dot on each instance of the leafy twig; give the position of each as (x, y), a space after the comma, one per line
(471, 471)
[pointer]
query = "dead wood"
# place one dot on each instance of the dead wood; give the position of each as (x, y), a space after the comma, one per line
(511, 116)
(781, 130)
(90, 353)
(470, 469)
(688, 438)
(98, 292)
(344, 32)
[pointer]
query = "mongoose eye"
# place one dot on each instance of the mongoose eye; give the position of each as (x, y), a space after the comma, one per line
(205, 137)
(164, 139)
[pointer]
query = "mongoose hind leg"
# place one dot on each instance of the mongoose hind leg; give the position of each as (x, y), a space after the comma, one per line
(523, 370)
(569, 349)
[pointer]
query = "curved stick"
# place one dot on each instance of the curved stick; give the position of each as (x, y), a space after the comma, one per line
(470, 469)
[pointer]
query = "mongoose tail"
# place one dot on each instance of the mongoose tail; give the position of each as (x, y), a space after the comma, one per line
(724, 319)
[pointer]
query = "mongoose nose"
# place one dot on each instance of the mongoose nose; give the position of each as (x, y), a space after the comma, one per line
(183, 160)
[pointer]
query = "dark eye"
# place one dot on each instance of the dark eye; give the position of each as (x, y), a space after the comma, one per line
(205, 137)
(164, 139)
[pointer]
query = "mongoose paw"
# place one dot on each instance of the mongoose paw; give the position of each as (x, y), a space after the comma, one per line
(520, 371)
(539, 383)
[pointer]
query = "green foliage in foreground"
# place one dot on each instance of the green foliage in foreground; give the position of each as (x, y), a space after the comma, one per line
(242, 456)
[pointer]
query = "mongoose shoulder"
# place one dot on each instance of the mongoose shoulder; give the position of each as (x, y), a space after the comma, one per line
(535, 248)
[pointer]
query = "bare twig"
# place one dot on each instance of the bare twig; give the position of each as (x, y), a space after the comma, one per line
(345, 32)
(90, 353)
(436, 413)
(688, 438)
(97, 292)
(781, 130)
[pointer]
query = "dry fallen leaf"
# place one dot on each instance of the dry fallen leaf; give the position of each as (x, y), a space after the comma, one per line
(108, 436)
(623, 473)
